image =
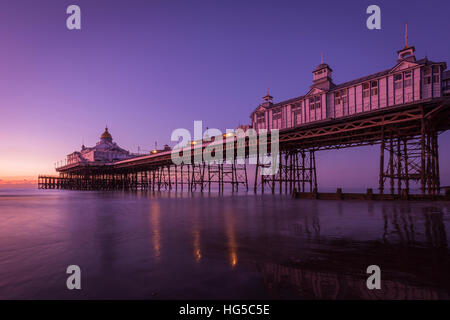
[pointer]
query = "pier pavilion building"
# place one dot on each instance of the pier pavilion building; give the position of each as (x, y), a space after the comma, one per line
(104, 151)
(409, 80)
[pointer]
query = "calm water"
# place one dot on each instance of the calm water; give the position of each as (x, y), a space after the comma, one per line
(181, 246)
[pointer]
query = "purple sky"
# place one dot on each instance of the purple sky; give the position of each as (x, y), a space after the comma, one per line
(148, 67)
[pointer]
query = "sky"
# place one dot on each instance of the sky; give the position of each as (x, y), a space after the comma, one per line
(145, 68)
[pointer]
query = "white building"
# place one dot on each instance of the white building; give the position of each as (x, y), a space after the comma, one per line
(410, 80)
(104, 151)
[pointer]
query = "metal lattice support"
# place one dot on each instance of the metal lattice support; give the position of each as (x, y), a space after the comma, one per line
(198, 176)
(412, 162)
(232, 173)
(240, 175)
(296, 172)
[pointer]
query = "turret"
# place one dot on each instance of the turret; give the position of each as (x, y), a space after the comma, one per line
(322, 76)
(267, 99)
(407, 53)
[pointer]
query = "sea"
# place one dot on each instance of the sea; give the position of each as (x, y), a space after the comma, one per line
(183, 245)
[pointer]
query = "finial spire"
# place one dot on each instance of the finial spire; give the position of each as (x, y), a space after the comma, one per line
(321, 57)
(267, 97)
(406, 35)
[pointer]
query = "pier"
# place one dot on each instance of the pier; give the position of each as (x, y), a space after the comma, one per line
(407, 135)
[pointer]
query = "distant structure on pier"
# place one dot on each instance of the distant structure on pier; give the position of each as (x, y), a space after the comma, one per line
(104, 151)
(409, 81)
(164, 149)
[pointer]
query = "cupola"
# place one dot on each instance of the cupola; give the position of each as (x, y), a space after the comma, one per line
(106, 135)
(322, 76)
(267, 99)
(407, 53)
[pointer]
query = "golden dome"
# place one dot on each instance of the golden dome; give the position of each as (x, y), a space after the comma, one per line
(106, 135)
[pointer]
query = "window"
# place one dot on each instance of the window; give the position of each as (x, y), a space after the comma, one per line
(340, 97)
(296, 113)
(435, 78)
(426, 75)
(276, 114)
(404, 55)
(366, 90)
(408, 80)
(314, 103)
(398, 81)
(435, 69)
(317, 101)
(276, 118)
(296, 107)
(374, 90)
(337, 98)
(344, 98)
(260, 118)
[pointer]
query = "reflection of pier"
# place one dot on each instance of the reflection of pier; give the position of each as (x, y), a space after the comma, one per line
(412, 253)
(292, 282)
(401, 226)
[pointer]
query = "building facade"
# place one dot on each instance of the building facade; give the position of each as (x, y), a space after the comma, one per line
(446, 83)
(410, 80)
(104, 151)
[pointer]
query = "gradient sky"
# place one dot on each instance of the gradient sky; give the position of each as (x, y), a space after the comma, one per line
(147, 67)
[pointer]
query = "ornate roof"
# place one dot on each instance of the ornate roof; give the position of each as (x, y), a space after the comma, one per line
(106, 135)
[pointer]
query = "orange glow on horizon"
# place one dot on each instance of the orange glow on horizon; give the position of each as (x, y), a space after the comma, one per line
(18, 180)
(17, 167)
